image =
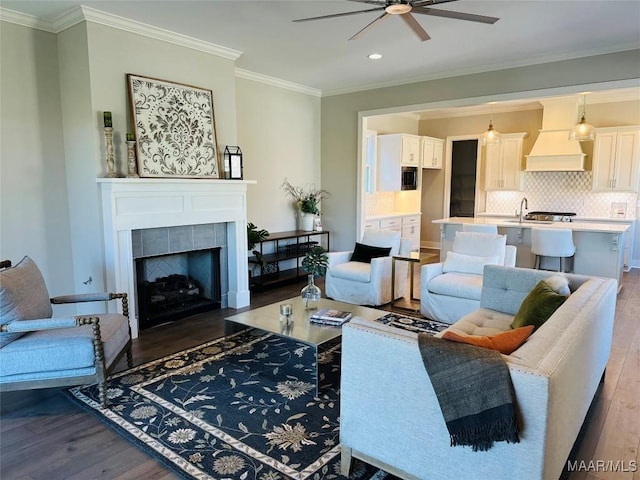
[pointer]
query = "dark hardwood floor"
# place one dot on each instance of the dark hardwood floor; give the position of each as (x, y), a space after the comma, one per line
(45, 436)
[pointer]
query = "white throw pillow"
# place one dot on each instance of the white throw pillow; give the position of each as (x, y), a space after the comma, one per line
(480, 244)
(461, 263)
(559, 284)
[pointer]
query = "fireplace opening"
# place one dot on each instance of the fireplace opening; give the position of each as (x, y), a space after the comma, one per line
(174, 286)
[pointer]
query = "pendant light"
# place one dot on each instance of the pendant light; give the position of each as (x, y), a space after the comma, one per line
(583, 131)
(491, 135)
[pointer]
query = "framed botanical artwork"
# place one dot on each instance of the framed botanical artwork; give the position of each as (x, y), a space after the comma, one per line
(174, 129)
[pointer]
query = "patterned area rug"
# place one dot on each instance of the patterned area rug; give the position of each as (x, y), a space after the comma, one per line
(240, 407)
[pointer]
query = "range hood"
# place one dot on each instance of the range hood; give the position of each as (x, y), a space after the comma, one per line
(553, 151)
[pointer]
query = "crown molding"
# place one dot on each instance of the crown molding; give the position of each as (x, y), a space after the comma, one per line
(276, 82)
(97, 16)
(25, 20)
(624, 95)
(82, 13)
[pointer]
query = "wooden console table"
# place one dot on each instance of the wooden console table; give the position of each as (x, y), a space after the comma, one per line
(279, 247)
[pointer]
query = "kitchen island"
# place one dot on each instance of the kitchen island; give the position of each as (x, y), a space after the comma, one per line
(599, 246)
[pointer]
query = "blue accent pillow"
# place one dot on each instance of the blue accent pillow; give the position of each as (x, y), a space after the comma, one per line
(364, 253)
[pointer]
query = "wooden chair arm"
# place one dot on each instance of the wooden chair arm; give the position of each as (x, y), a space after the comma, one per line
(93, 297)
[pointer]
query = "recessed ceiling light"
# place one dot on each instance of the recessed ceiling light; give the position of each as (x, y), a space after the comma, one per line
(375, 56)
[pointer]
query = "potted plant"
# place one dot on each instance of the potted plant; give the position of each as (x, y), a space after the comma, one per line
(307, 202)
(255, 235)
(315, 263)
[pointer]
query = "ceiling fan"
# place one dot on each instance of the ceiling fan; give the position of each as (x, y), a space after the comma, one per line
(404, 8)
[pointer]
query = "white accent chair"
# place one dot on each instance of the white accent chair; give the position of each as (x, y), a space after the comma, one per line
(451, 289)
(552, 242)
(361, 283)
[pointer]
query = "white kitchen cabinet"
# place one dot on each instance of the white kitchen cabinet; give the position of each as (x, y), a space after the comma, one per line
(432, 152)
(411, 230)
(375, 224)
(503, 163)
(395, 150)
(393, 223)
(371, 161)
(408, 225)
(615, 159)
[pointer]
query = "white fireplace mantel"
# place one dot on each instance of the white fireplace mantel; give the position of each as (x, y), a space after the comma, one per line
(136, 203)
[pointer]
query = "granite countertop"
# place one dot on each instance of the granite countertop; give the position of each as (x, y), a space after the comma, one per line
(505, 221)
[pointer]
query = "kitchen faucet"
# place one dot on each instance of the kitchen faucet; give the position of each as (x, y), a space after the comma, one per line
(526, 205)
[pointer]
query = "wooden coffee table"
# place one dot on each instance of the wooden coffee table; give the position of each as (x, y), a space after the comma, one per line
(267, 318)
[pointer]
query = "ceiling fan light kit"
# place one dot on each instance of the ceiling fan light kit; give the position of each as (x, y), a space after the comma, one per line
(404, 8)
(398, 8)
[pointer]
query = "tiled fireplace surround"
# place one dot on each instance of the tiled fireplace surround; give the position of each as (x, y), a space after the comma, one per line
(155, 216)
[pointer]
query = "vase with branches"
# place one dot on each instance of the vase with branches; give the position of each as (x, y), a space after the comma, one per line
(306, 200)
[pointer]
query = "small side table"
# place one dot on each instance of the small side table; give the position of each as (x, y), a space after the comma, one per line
(413, 258)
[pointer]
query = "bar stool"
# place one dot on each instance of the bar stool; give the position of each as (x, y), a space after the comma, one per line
(472, 227)
(552, 242)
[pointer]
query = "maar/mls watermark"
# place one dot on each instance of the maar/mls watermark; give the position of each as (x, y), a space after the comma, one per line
(618, 466)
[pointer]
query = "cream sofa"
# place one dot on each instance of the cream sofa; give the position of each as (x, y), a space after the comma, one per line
(391, 418)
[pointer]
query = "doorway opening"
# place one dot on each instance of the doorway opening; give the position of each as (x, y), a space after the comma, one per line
(464, 161)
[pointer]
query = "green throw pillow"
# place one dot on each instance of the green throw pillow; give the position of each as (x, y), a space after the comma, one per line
(538, 306)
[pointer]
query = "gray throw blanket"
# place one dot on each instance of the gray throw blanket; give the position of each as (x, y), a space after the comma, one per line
(474, 390)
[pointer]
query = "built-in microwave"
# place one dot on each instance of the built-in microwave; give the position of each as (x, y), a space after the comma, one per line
(409, 178)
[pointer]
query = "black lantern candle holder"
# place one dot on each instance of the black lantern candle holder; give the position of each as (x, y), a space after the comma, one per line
(232, 162)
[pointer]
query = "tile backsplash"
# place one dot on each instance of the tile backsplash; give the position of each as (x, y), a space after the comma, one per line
(564, 192)
(545, 191)
(380, 203)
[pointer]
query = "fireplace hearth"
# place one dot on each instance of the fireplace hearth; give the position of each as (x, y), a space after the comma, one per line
(134, 205)
(174, 286)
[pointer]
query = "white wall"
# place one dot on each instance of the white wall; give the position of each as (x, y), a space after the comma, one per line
(279, 133)
(34, 218)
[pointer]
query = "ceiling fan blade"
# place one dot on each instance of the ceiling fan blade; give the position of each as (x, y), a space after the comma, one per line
(436, 12)
(334, 15)
(375, 22)
(373, 2)
(428, 3)
(415, 26)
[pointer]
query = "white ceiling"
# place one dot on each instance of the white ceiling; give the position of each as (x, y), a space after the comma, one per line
(318, 54)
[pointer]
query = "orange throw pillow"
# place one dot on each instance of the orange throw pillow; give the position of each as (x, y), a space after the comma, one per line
(504, 342)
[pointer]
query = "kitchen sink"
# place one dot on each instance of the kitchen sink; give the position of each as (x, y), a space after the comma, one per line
(543, 222)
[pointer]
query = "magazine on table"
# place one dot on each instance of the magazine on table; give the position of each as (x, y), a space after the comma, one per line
(330, 316)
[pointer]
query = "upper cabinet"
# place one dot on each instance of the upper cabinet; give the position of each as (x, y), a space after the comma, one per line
(371, 156)
(432, 152)
(395, 150)
(503, 163)
(615, 159)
